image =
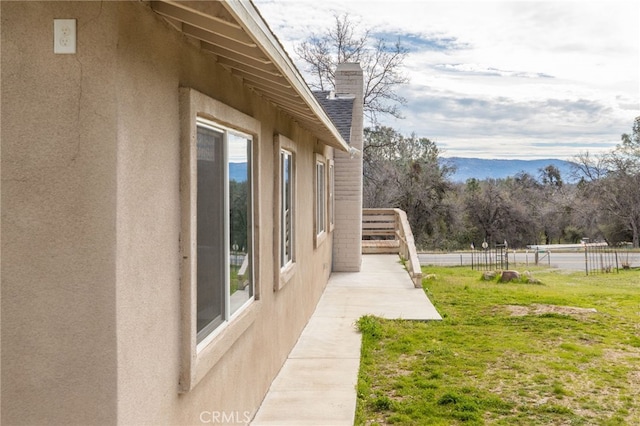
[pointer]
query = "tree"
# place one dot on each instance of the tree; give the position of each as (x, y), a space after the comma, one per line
(381, 64)
(378, 168)
(632, 142)
(612, 183)
(405, 172)
(622, 184)
(587, 168)
(552, 207)
(550, 176)
(485, 208)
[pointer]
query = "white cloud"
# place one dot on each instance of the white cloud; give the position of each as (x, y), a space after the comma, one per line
(499, 79)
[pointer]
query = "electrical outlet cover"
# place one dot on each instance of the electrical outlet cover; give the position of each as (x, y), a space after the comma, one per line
(64, 36)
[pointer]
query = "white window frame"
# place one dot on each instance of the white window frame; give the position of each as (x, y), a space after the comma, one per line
(286, 199)
(285, 270)
(320, 200)
(197, 358)
(211, 330)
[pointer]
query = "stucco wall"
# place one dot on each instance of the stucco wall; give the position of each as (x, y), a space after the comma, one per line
(58, 218)
(91, 224)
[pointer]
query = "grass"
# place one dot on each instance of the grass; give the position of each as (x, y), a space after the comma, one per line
(508, 354)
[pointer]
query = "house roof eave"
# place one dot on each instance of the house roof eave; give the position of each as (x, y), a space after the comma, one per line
(261, 61)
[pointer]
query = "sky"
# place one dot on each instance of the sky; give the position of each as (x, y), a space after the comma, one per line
(507, 79)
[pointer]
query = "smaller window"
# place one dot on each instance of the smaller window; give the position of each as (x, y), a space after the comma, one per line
(332, 202)
(285, 213)
(320, 198)
(320, 202)
(286, 208)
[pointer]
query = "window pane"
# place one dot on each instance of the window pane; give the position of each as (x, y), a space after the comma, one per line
(240, 271)
(331, 195)
(210, 233)
(286, 196)
(320, 198)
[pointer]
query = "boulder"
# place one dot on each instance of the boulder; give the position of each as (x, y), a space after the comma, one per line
(508, 276)
(530, 278)
(489, 275)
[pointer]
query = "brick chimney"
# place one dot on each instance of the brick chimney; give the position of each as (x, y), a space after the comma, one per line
(347, 238)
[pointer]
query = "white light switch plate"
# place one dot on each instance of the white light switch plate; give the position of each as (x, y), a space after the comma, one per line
(64, 36)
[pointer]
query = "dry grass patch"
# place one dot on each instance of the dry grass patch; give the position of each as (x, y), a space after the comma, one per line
(540, 309)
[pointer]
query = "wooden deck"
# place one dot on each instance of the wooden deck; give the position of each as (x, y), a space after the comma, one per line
(388, 231)
(380, 246)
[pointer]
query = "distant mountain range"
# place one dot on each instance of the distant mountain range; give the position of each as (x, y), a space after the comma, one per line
(480, 168)
(468, 168)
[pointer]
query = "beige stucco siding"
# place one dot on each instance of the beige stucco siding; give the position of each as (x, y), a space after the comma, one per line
(91, 224)
(58, 220)
(148, 217)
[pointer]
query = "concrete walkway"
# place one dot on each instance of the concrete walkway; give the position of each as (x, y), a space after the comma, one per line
(317, 384)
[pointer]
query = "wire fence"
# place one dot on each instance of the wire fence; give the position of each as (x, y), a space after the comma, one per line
(490, 259)
(600, 259)
(500, 258)
(593, 258)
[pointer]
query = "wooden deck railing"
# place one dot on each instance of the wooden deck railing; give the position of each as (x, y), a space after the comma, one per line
(388, 231)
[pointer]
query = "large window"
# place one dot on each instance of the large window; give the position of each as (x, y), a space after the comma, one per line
(220, 282)
(224, 210)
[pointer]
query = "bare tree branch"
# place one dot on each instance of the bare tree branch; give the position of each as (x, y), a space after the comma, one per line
(381, 64)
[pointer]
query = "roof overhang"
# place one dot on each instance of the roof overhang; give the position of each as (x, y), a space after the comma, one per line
(241, 42)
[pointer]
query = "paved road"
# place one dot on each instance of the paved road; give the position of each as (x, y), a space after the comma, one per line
(568, 261)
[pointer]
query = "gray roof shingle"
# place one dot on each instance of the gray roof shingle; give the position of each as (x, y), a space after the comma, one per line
(339, 109)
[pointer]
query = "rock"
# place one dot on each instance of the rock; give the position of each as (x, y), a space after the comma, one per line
(530, 278)
(508, 276)
(489, 275)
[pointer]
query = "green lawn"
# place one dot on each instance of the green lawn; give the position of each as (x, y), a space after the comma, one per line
(508, 354)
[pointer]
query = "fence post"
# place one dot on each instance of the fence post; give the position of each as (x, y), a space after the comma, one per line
(586, 260)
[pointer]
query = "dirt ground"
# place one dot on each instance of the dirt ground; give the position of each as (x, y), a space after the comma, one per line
(539, 309)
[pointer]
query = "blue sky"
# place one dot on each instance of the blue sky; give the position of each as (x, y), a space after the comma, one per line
(509, 79)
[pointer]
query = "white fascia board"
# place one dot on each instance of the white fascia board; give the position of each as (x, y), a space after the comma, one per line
(248, 16)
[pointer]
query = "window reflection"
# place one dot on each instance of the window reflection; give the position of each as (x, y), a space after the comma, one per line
(240, 273)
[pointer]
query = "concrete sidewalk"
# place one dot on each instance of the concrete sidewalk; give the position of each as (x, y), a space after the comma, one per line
(317, 383)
